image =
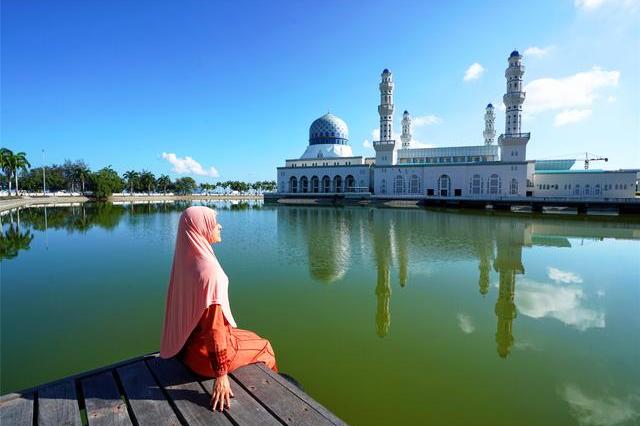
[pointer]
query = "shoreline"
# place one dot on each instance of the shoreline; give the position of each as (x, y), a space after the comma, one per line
(13, 203)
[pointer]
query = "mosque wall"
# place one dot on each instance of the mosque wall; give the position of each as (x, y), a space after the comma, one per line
(586, 184)
(482, 180)
(331, 179)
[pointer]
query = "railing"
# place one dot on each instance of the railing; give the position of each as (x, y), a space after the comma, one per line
(514, 135)
(377, 143)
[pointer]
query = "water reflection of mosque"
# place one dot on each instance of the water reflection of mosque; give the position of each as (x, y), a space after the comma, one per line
(413, 239)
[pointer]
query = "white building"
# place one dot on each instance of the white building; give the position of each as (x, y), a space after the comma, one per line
(485, 171)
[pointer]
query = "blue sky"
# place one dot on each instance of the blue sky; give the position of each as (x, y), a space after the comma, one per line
(235, 85)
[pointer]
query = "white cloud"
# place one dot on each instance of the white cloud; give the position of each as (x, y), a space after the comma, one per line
(572, 92)
(588, 4)
(563, 277)
(367, 144)
(465, 324)
(603, 411)
(473, 72)
(538, 52)
(611, 99)
(571, 116)
(537, 300)
(425, 120)
(592, 5)
(188, 165)
(417, 144)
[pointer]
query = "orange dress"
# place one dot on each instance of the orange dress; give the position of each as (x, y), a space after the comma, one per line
(214, 348)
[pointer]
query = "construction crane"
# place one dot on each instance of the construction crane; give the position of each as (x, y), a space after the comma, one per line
(588, 158)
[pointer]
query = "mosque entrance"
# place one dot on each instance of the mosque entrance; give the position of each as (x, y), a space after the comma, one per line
(444, 184)
(337, 184)
(349, 184)
(326, 184)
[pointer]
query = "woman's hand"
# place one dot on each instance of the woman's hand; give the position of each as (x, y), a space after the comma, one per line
(221, 393)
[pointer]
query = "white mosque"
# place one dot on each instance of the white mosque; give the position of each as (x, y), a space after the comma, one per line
(486, 171)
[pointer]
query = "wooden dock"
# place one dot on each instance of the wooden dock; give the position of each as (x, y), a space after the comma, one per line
(150, 390)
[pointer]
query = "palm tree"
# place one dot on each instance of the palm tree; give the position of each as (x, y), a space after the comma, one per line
(164, 181)
(5, 163)
(147, 179)
(17, 162)
(131, 176)
(80, 173)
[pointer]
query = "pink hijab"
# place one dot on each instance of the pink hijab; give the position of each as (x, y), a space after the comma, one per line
(197, 280)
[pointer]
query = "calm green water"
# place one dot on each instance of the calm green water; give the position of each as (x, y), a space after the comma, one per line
(386, 316)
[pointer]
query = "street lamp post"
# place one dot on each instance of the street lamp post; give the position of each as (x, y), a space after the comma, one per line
(44, 179)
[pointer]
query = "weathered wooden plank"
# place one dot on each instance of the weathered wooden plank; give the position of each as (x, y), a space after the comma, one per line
(245, 410)
(17, 409)
(58, 405)
(302, 395)
(83, 374)
(149, 405)
(193, 403)
(286, 405)
(103, 402)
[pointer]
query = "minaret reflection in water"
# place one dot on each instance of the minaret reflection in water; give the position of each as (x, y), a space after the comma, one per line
(381, 232)
(508, 263)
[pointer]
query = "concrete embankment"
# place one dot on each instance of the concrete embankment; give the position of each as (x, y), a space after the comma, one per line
(12, 203)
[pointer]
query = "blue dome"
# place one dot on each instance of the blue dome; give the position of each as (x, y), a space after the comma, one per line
(514, 53)
(328, 129)
(490, 106)
(385, 71)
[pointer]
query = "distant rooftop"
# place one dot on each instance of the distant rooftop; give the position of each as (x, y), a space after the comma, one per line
(554, 164)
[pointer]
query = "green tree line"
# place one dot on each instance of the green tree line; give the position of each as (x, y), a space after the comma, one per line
(76, 176)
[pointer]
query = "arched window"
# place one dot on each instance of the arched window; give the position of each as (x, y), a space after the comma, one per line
(495, 186)
(514, 186)
(349, 183)
(326, 184)
(399, 187)
(293, 184)
(383, 186)
(337, 184)
(444, 185)
(597, 192)
(576, 190)
(304, 184)
(315, 184)
(587, 189)
(476, 185)
(414, 185)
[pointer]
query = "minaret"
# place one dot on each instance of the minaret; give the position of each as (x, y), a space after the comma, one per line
(489, 128)
(385, 147)
(406, 130)
(514, 98)
(513, 143)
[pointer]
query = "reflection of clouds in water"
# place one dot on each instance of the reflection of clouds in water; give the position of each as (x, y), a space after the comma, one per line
(537, 300)
(604, 411)
(523, 346)
(600, 293)
(563, 277)
(465, 324)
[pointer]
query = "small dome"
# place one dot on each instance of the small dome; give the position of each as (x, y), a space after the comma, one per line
(406, 112)
(514, 53)
(490, 106)
(386, 71)
(328, 129)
